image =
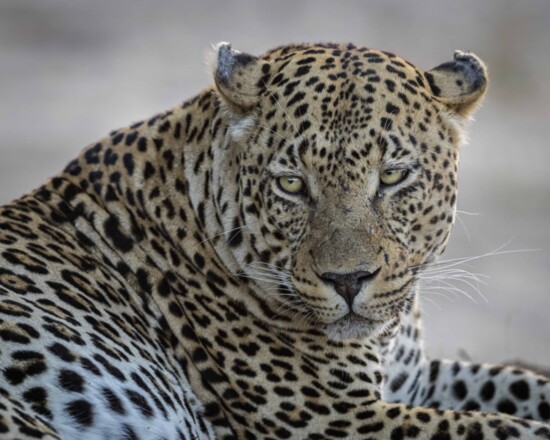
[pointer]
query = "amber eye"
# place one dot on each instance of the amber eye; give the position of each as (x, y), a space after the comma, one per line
(392, 176)
(291, 184)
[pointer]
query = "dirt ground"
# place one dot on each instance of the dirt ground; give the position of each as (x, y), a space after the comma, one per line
(71, 71)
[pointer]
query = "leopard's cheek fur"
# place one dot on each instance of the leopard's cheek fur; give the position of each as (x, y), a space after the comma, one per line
(429, 212)
(275, 229)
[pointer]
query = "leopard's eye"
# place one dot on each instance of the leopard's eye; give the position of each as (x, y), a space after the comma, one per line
(392, 176)
(291, 184)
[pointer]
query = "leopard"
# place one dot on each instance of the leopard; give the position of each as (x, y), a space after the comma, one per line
(246, 265)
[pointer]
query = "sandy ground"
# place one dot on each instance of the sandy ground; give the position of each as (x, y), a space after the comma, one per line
(70, 71)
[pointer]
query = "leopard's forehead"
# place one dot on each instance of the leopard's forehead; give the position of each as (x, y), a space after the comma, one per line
(352, 59)
(343, 89)
(341, 104)
(317, 67)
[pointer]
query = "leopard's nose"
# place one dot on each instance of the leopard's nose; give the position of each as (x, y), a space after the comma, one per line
(348, 285)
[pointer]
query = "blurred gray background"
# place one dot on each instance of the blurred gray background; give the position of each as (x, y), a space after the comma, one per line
(72, 70)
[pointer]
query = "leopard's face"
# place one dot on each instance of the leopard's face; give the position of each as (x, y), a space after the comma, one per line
(346, 167)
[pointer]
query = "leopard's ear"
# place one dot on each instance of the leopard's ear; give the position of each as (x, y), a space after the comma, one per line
(236, 76)
(460, 84)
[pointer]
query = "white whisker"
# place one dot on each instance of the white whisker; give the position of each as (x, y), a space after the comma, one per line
(443, 276)
(468, 213)
(431, 301)
(200, 243)
(461, 260)
(435, 291)
(463, 227)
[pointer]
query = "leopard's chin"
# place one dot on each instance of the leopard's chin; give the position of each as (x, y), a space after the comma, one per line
(353, 326)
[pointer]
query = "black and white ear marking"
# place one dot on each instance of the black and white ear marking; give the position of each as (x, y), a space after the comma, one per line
(460, 84)
(236, 76)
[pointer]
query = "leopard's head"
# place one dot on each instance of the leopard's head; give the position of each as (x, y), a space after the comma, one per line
(339, 169)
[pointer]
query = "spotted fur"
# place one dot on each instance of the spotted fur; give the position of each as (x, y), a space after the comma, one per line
(166, 286)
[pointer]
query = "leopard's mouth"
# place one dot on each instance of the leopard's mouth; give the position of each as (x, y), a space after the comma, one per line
(354, 326)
